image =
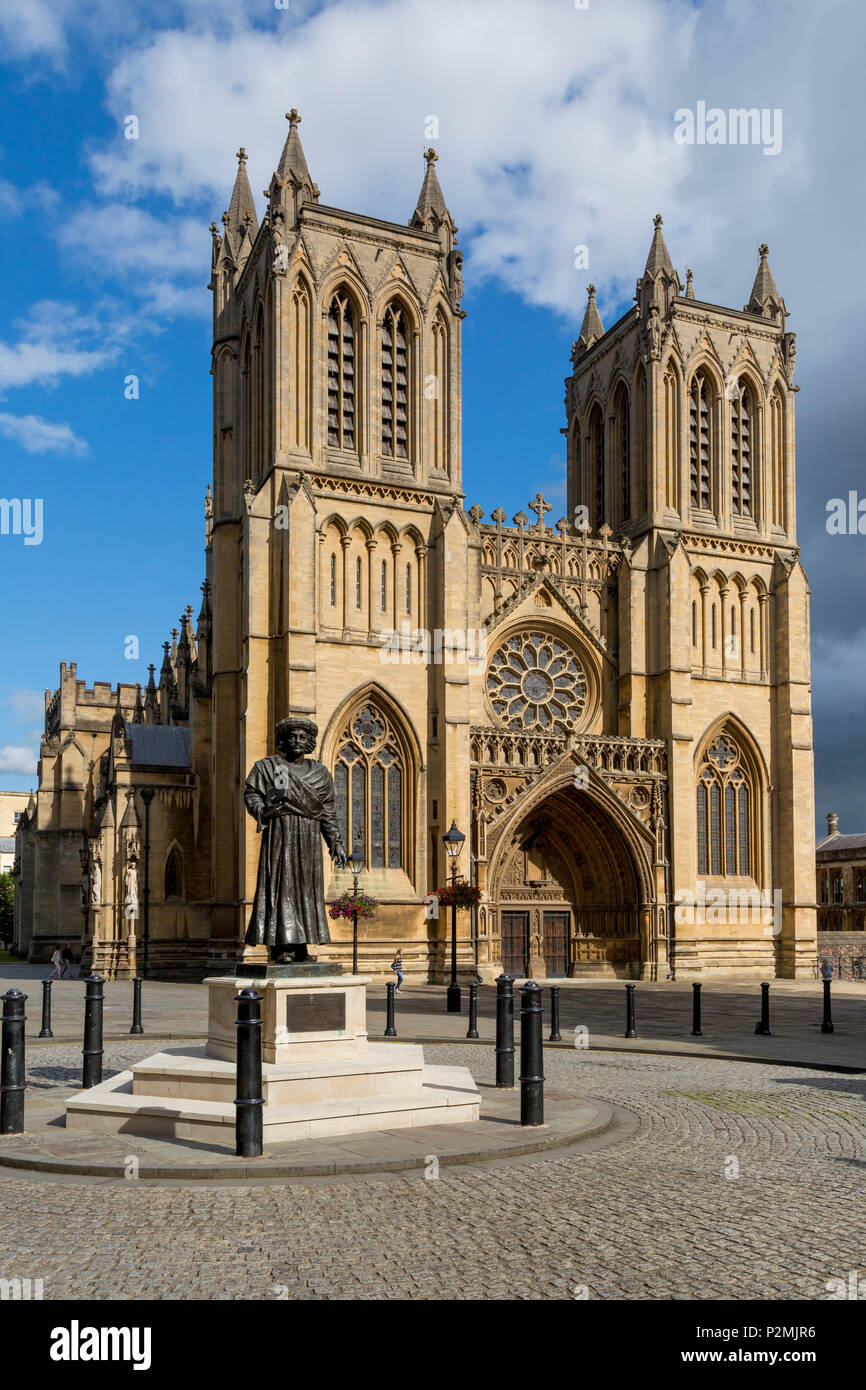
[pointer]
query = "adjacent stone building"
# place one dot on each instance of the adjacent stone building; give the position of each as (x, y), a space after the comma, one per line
(615, 709)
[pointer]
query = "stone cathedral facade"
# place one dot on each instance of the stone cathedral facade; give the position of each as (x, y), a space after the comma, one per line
(614, 707)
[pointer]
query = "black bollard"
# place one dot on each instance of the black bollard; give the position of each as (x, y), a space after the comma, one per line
(630, 1030)
(390, 1030)
(473, 1012)
(764, 1025)
(93, 1001)
(136, 1006)
(827, 1024)
(249, 1100)
(531, 1056)
(505, 1031)
(696, 1010)
(12, 1068)
(555, 1035)
(45, 1030)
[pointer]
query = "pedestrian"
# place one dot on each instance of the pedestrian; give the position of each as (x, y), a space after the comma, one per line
(68, 961)
(826, 970)
(397, 967)
(57, 962)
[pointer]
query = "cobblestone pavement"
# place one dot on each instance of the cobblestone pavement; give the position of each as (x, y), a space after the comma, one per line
(658, 1215)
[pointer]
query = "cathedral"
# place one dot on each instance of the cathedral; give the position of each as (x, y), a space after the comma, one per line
(613, 707)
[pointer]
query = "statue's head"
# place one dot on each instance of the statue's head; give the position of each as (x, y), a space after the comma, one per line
(294, 737)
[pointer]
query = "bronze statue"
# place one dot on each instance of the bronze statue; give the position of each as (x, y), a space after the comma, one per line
(293, 800)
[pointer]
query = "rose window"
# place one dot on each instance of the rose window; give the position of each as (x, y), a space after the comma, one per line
(535, 682)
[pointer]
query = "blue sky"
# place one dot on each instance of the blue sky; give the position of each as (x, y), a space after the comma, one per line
(555, 129)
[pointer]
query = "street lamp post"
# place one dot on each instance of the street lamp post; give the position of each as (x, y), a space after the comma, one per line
(357, 862)
(453, 842)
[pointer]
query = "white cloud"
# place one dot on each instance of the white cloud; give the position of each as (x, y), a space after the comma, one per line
(38, 436)
(58, 339)
(19, 760)
(29, 704)
(30, 27)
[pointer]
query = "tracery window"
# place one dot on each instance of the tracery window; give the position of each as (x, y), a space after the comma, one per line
(371, 780)
(395, 383)
(341, 373)
(742, 416)
(700, 440)
(535, 682)
(724, 812)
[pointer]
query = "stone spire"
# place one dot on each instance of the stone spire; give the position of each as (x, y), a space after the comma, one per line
(241, 215)
(660, 284)
(292, 167)
(592, 327)
(151, 700)
(690, 285)
(765, 298)
(658, 261)
(431, 209)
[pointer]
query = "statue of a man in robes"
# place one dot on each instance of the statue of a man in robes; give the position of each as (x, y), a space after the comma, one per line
(293, 800)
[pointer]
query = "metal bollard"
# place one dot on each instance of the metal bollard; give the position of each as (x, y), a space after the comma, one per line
(45, 1030)
(12, 1068)
(249, 1100)
(827, 1023)
(531, 1056)
(136, 1006)
(630, 1030)
(555, 1035)
(473, 1012)
(93, 1001)
(390, 1030)
(505, 1031)
(696, 1010)
(764, 1025)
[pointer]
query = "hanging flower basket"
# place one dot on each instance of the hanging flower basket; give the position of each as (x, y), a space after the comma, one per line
(460, 895)
(349, 903)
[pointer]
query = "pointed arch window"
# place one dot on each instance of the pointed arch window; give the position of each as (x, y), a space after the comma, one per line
(777, 449)
(372, 779)
(725, 795)
(358, 582)
(742, 415)
(173, 875)
(408, 588)
(437, 393)
(333, 580)
(341, 373)
(395, 382)
(700, 440)
(596, 463)
(383, 586)
(623, 447)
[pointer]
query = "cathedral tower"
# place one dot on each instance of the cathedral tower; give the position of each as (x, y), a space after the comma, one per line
(337, 479)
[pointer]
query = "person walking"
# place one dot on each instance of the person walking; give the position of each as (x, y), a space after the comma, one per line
(397, 967)
(57, 963)
(68, 961)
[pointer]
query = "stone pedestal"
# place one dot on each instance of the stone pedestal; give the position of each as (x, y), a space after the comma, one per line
(320, 1075)
(308, 1014)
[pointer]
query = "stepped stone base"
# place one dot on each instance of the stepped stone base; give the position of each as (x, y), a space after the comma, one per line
(320, 1076)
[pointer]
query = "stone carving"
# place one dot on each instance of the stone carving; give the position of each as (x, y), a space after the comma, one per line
(293, 800)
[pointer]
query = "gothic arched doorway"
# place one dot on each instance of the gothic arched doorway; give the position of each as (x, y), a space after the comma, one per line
(567, 893)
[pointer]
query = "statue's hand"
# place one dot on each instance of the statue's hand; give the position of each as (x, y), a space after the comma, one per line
(339, 857)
